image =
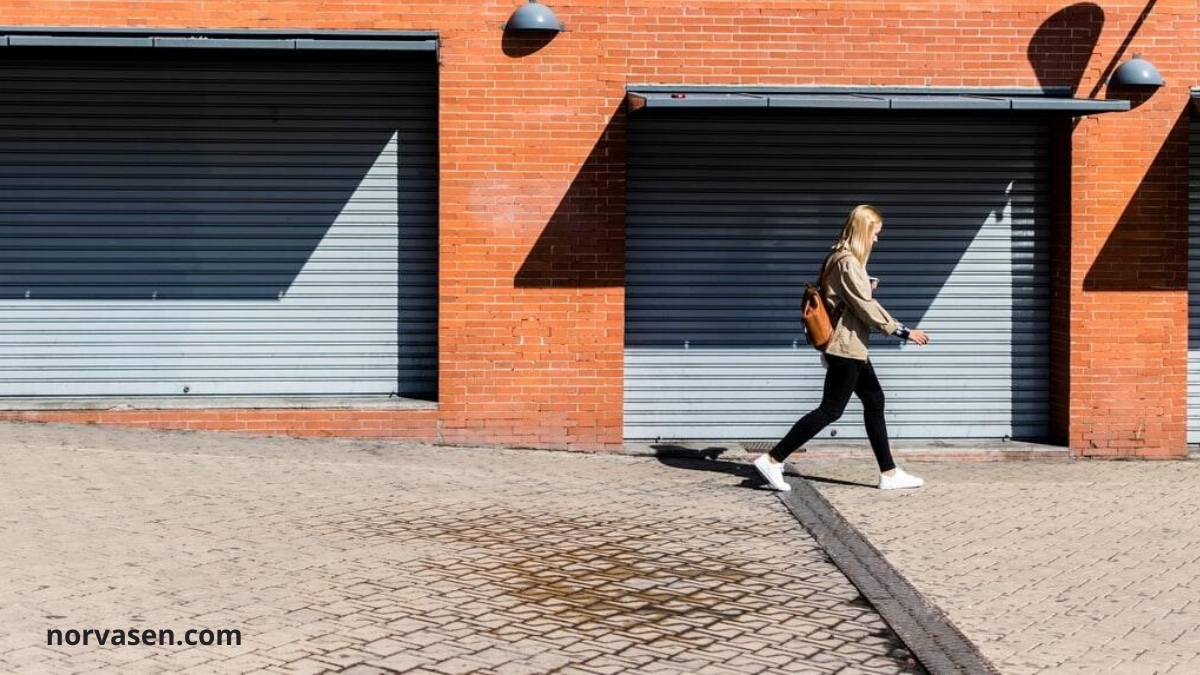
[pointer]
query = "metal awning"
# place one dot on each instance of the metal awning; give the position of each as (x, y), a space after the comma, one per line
(421, 41)
(1195, 99)
(1050, 100)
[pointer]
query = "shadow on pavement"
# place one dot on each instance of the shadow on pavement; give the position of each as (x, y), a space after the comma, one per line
(836, 481)
(709, 459)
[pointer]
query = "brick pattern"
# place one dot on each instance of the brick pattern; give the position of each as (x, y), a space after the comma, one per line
(378, 557)
(1129, 341)
(532, 180)
(403, 424)
(1065, 567)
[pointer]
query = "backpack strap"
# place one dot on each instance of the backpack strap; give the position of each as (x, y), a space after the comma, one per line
(833, 256)
(841, 253)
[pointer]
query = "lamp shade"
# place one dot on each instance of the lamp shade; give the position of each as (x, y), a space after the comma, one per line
(1137, 72)
(534, 17)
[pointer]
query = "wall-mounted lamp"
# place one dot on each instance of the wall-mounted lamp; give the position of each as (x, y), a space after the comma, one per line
(1136, 72)
(534, 17)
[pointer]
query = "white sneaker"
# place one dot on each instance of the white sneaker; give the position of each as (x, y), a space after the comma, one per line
(899, 481)
(772, 472)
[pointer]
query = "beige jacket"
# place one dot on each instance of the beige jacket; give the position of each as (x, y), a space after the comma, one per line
(856, 311)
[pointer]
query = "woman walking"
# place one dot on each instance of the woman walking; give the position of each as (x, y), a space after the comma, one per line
(848, 366)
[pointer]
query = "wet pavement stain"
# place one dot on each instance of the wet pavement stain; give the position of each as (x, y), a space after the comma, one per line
(630, 588)
(643, 583)
(586, 571)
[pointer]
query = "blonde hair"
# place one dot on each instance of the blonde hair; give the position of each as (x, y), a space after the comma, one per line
(858, 232)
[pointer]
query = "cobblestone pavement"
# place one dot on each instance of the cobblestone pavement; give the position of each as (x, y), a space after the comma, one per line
(371, 557)
(1049, 567)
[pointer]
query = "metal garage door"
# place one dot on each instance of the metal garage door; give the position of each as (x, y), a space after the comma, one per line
(729, 215)
(244, 223)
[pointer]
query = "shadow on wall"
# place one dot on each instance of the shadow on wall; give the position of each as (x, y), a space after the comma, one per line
(1136, 96)
(1148, 248)
(729, 214)
(583, 243)
(519, 44)
(173, 179)
(1063, 45)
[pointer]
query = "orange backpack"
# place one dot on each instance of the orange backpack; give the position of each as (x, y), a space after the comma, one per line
(818, 320)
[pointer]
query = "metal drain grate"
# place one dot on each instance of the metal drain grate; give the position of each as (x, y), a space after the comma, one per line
(757, 446)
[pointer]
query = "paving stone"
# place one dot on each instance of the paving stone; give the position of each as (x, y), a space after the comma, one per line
(366, 670)
(383, 647)
(394, 557)
(516, 668)
(401, 662)
(457, 666)
(304, 667)
(1047, 566)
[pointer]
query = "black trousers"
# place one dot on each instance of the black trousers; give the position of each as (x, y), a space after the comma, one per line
(843, 377)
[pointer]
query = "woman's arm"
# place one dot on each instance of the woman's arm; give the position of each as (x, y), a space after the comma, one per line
(854, 288)
(916, 335)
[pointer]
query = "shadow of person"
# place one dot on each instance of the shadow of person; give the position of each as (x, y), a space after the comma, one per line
(836, 481)
(709, 459)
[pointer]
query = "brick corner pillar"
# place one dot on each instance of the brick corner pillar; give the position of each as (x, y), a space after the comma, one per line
(1125, 343)
(531, 334)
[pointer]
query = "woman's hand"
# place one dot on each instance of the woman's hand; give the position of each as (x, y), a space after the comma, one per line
(918, 336)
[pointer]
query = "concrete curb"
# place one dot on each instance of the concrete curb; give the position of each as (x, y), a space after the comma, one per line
(924, 628)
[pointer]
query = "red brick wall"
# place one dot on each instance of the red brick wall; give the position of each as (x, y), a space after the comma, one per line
(1129, 301)
(1128, 323)
(409, 424)
(532, 181)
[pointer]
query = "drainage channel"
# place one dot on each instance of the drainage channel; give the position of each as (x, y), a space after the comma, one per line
(925, 630)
